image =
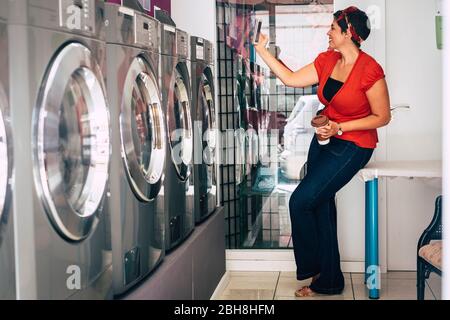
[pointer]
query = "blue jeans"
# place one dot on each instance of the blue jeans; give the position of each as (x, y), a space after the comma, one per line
(313, 211)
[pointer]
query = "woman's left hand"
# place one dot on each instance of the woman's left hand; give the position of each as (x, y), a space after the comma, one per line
(329, 130)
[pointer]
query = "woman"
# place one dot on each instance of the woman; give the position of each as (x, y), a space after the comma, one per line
(352, 86)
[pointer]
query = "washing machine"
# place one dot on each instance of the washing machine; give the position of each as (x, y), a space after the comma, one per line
(204, 125)
(138, 144)
(177, 104)
(241, 107)
(262, 100)
(251, 119)
(184, 69)
(7, 274)
(61, 130)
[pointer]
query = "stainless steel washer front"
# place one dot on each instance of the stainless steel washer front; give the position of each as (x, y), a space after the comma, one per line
(139, 146)
(207, 109)
(204, 127)
(61, 142)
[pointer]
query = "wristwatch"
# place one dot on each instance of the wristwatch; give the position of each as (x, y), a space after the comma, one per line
(340, 132)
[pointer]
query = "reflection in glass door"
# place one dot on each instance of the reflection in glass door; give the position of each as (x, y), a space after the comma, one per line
(143, 131)
(4, 162)
(257, 207)
(180, 129)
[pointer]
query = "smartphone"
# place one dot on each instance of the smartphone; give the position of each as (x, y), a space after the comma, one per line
(258, 30)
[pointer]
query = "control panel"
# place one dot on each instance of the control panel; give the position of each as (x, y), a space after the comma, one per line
(182, 44)
(146, 32)
(209, 52)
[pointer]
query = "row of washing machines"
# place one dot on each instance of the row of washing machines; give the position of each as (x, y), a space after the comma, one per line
(102, 108)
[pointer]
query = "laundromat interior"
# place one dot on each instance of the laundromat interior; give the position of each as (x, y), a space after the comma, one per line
(153, 149)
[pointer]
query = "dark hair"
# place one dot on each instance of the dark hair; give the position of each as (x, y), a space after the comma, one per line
(358, 19)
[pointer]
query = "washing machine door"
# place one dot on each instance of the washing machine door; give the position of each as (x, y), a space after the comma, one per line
(208, 124)
(179, 124)
(7, 273)
(142, 131)
(4, 160)
(71, 142)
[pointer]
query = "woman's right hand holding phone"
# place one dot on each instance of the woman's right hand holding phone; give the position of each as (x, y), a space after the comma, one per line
(262, 43)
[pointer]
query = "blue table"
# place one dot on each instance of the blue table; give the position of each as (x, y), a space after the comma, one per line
(370, 174)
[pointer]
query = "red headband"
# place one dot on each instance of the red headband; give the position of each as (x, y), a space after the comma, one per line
(343, 15)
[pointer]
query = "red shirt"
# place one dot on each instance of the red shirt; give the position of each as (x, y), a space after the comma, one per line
(350, 102)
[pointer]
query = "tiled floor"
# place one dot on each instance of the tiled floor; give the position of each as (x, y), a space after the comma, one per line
(282, 285)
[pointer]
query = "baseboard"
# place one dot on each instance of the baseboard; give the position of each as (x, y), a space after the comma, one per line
(276, 260)
(221, 286)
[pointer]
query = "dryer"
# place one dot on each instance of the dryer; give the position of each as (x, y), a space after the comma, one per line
(205, 128)
(138, 144)
(61, 130)
(177, 108)
(7, 273)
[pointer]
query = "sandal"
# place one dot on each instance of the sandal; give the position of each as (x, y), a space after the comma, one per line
(304, 292)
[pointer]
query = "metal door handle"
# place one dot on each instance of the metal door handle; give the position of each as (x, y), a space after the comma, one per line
(399, 106)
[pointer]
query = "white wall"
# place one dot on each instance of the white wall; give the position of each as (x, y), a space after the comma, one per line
(350, 200)
(413, 69)
(415, 77)
(198, 17)
(415, 73)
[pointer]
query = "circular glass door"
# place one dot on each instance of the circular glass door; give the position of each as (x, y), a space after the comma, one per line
(208, 128)
(208, 120)
(4, 161)
(142, 131)
(180, 125)
(72, 146)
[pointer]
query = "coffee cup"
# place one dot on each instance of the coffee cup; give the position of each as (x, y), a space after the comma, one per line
(318, 122)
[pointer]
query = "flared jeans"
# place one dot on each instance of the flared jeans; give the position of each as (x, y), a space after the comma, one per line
(313, 211)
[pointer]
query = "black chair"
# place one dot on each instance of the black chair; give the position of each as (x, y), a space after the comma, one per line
(432, 232)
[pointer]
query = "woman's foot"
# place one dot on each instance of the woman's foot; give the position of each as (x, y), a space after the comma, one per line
(306, 291)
